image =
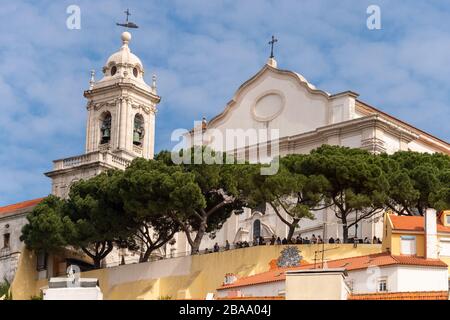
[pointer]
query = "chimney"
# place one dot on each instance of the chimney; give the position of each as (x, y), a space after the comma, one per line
(431, 241)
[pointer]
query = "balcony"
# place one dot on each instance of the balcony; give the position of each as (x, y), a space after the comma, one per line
(105, 157)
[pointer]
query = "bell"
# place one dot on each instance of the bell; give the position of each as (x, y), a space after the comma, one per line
(136, 138)
(106, 133)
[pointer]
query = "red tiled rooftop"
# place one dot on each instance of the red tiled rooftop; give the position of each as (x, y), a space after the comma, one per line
(413, 223)
(253, 298)
(17, 206)
(422, 295)
(353, 263)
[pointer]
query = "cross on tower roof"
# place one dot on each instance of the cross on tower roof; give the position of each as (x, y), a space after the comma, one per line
(272, 42)
(127, 24)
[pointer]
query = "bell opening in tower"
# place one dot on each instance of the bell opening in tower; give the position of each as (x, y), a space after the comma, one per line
(105, 128)
(138, 131)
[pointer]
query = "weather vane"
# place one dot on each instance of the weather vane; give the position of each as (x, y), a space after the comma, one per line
(272, 42)
(127, 24)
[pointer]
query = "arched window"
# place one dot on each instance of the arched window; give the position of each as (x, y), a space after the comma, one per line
(138, 130)
(105, 128)
(256, 229)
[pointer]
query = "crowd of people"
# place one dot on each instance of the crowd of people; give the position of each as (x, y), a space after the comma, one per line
(260, 241)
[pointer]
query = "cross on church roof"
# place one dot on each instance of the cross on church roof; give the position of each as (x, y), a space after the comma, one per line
(272, 42)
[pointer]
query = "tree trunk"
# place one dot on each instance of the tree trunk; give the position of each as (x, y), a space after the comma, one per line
(98, 256)
(292, 227)
(344, 230)
(146, 255)
(198, 238)
(97, 262)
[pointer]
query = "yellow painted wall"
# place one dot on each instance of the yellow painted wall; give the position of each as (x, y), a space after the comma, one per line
(204, 273)
(396, 240)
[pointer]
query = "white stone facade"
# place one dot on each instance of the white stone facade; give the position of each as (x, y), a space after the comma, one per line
(10, 230)
(305, 118)
(123, 97)
(399, 278)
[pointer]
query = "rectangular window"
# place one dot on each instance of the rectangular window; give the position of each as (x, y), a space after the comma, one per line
(447, 218)
(408, 245)
(382, 285)
(6, 238)
(444, 247)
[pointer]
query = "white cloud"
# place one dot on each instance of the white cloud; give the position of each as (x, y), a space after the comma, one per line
(202, 51)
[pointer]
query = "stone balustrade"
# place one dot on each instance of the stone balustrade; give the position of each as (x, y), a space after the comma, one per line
(98, 156)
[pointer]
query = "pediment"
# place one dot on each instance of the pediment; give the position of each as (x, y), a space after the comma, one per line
(275, 99)
(265, 97)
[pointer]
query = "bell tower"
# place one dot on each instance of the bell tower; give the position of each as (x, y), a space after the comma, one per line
(121, 107)
(120, 124)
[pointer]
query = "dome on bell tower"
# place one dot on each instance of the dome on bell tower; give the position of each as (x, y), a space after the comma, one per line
(123, 65)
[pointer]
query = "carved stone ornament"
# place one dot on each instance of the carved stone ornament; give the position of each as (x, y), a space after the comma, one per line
(100, 105)
(144, 108)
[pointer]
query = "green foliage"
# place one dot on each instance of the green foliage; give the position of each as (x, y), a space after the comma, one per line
(145, 205)
(357, 184)
(5, 291)
(39, 297)
(219, 197)
(289, 191)
(418, 181)
(95, 210)
(441, 199)
(47, 228)
(155, 196)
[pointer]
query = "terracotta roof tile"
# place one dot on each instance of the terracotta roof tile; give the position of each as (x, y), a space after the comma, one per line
(422, 295)
(17, 206)
(413, 223)
(353, 263)
(253, 298)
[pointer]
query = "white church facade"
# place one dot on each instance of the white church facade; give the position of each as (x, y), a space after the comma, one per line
(121, 115)
(305, 118)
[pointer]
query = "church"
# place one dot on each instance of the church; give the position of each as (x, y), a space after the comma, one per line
(121, 114)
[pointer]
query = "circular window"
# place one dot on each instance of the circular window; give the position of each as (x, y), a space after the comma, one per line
(113, 70)
(268, 107)
(135, 72)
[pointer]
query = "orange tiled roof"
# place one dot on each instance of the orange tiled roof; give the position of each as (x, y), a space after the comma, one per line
(253, 298)
(421, 295)
(353, 263)
(17, 206)
(413, 223)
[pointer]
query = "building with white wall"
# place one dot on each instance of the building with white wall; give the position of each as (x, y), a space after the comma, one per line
(121, 109)
(120, 122)
(413, 259)
(12, 219)
(375, 273)
(304, 117)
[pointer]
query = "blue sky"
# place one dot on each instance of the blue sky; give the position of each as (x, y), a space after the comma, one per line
(201, 51)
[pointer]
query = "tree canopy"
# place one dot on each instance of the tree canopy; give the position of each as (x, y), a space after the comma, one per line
(220, 194)
(290, 193)
(144, 206)
(357, 185)
(417, 181)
